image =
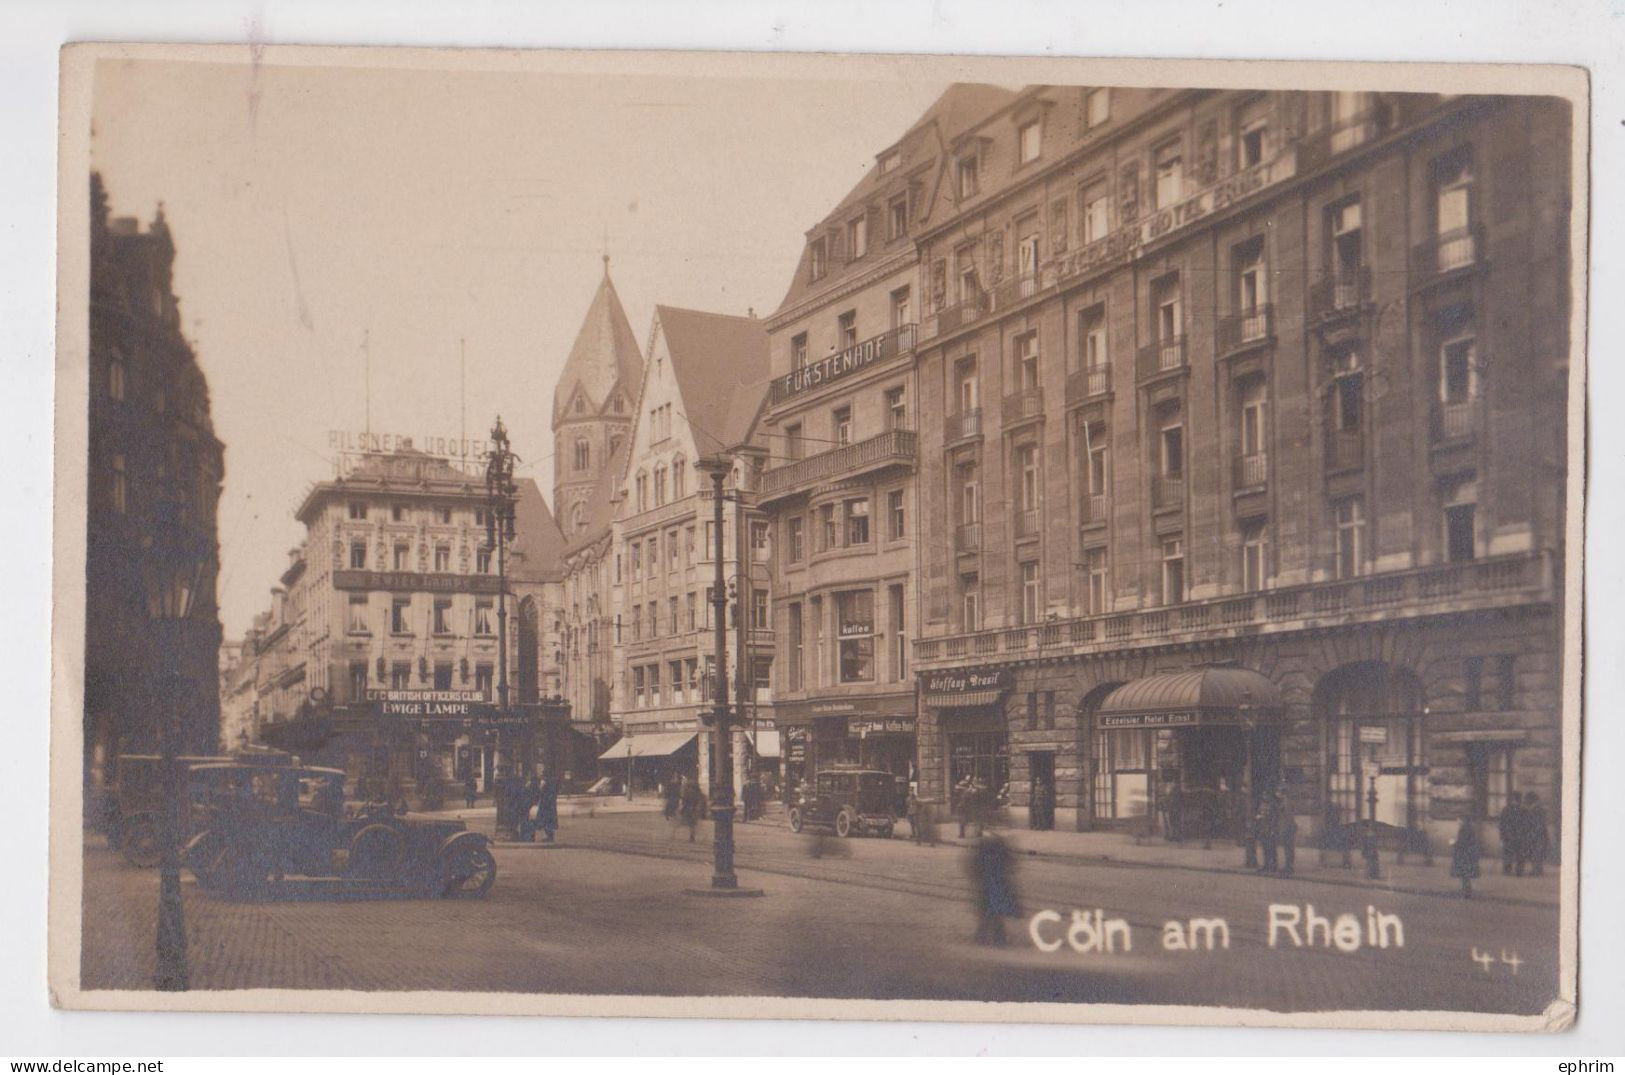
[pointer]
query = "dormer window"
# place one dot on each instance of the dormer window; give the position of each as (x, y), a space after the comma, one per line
(819, 257)
(968, 176)
(888, 161)
(898, 218)
(1097, 107)
(857, 238)
(1029, 139)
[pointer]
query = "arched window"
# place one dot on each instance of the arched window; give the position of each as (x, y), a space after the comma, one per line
(577, 518)
(581, 405)
(583, 453)
(677, 485)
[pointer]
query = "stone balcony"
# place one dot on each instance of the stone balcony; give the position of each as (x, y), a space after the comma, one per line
(1498, 582)
(895, 447)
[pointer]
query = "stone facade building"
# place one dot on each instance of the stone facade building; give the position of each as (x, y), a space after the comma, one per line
(1246, 449)
(155, 468)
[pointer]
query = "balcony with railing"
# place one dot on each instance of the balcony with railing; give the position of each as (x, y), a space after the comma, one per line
(1023, 405)
(962, 426)
(969, 308)
(1499, 582)
(1016, 289)
(1345, 449)
(1027, 524)
(895, 447)
(1340, 295)
(1246, 329)
(968, 537)
(1083, 385)
(1161, 357)
(1252, 471)
(1455, 421)
(1446, 253)
(1167, 491)
(1092, 509)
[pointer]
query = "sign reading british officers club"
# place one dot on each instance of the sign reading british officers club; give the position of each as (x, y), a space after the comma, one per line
(461, 705)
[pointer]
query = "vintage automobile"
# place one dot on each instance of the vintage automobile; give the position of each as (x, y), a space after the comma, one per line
(132, 811)
(267, 825)
(848, 801)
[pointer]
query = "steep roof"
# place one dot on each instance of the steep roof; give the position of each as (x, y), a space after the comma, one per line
(921, 153)
(605, 355)
(601, 504)
(720, 362)
(538, 548)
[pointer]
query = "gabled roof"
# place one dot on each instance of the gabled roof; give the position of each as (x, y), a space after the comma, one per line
(601, 504)
(720, 363)
(922, 151)
(538, 548)
(605, 356)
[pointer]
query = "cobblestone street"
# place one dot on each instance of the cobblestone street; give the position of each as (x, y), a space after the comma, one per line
(606, 912)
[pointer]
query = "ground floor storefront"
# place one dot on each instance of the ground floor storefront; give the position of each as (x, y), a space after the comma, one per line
(1409, 725)
(873, 731)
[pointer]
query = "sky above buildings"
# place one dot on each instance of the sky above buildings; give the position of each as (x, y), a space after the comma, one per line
(321, 215)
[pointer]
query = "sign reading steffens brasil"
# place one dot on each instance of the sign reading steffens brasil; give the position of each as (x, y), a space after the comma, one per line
(967, 679)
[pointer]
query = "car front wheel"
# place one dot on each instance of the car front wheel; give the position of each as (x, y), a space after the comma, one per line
(467, 871)
(795, 819)
(843, 824)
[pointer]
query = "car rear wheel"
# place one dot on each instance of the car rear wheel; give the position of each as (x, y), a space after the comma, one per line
(139, 841)
(843, 824)
(795, 819)
(467, 871)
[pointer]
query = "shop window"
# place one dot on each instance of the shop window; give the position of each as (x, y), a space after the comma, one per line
(1489, 767)
(855, 624)
(358, 614)
(1122, 773)
(980, 756)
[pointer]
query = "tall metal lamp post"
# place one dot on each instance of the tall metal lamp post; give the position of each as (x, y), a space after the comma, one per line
(501, 495)
(722, 788)
(172, 570)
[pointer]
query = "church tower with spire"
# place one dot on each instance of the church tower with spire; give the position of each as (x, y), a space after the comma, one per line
(592, 405)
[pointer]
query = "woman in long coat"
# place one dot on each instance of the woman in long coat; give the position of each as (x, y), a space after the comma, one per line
(547, 807)
(991, 866)
(1464, 856)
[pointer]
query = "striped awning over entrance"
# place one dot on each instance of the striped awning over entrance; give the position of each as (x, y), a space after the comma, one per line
(1210, 695)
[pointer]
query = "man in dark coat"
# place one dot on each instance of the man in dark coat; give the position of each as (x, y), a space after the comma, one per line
(1289, 835)
(995, 888)
(529, 795)
(688, 806)
(1510, 827)
(1536, 841)
(547, 806)
(669, 791)
(1464, 856)
(1269, 832)
(470, 789)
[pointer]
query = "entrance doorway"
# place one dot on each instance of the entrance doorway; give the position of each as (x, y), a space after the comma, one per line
(1041, 789)
(1371, 714)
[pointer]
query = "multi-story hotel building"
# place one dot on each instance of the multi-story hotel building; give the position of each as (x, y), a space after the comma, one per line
(1245, 455)
(700, 399)
(841, 431)
(393, 595)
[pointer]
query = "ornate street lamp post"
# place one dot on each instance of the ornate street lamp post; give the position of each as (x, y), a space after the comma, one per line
(722, 787)
(501, 495)
(172, 570)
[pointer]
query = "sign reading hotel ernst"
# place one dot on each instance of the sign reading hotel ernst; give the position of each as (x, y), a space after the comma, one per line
(412, 581)
(1148, 720)
(838, 365)
(963, 681)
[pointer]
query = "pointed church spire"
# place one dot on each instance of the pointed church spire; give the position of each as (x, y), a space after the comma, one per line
(604, 361)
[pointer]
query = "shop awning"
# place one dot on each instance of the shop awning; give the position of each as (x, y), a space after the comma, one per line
(964, 700)
(767, 742)
(653, 745)
(1211, 695)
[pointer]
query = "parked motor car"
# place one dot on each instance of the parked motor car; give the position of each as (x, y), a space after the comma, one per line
(132, 812)
(266, 825)
(848, 801)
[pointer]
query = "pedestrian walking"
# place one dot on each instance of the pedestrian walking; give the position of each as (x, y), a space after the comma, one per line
(991, 868)
(963, 793)
(1268, 828)
(529, 796)
(470, 790)
(669, 792)
(1464, 856)
(547, 807)
(1537, 841)
(688, 806)
(1510, 828)
(1289, 837)
(1041, 811)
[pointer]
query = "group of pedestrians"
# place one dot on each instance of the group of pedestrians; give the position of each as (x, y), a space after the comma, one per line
(682, 804)
(535, 807)
(1525, 842)
(1275, 834)
(974, 805)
